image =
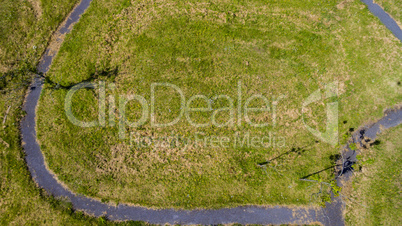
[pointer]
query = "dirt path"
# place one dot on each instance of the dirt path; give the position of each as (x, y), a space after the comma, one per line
(45, 179)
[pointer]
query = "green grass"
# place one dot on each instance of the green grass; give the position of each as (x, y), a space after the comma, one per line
(274, 47)
(25, 29)
(393, 7)
(21, 201)
(374, 196)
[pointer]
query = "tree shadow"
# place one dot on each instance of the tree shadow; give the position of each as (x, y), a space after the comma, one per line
(298, 150)
(334, 157)
(377, 142)
(108, 73)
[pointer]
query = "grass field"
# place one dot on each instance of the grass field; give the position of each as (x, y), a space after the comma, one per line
(23, 26)
(392, 7)
(205, 48)
(374, 195)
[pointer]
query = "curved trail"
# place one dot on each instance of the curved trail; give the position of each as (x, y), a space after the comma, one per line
(332, 215)
(385, 18)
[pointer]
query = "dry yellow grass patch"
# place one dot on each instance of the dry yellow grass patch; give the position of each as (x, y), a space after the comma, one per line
(36, 5)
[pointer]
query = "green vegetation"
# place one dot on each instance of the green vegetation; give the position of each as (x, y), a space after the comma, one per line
(22, 28)
(25, 28)
(204, 48)
(274, 48)
(393, 7)
(374, 196)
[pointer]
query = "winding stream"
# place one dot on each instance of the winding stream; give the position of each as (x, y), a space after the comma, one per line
(332, 215)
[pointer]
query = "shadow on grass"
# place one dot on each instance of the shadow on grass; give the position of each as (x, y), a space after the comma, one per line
(298, 150)
(330, 167)
(108, 73)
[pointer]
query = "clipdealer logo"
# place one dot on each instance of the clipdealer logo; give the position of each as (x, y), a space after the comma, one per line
(149, 111)
(330, 135)
(237, 115)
